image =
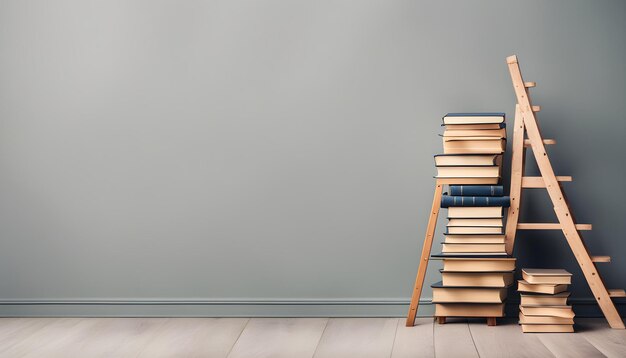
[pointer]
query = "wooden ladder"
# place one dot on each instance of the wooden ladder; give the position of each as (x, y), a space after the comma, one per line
(525, 122)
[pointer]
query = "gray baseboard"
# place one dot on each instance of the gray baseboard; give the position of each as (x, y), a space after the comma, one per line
(584, 307)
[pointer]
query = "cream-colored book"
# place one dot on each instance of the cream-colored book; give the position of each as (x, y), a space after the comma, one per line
(469, 172)
(474, 230)
(559, 299)
(544, 319)
(477, 279)
(474, 239)
(443, 294)
(546, 276)
(469, 309)
(473, 248)
(495, 222)
(523, 286)
(479, 264)
(499, 133)
(554, 311)
(547, 328)
(475, 212)
(474, 145)
(472, 126)
(468, 160)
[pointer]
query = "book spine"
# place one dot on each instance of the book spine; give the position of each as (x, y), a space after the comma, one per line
(450, 200)
(477, 190)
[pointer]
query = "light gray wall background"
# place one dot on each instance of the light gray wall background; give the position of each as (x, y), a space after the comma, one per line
(275, 157)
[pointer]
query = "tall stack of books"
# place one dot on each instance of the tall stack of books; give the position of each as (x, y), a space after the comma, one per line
(476, 269)
(543, 306)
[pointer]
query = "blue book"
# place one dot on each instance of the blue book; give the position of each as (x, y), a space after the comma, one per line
(477, 190)
(449, 200)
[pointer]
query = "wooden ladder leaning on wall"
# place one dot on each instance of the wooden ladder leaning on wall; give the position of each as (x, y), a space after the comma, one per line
(525, 122)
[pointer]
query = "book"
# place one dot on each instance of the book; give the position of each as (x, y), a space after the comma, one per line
(473, 230)
(523, 319)
(473, 145)
(469, 309)
(553, 311)
(547, 328)
(492, 171)
(473, 181)
(477, 279)
(476, 190)
(559, 299)
(452, 200)
(495, 222)
(473, 118)
(523, 286)
(474, 126)
(475, 212)
(474, 239)
(498, 133)
(467, 264)
(451, 160)
(469, 295)
(546, 276)
(474, 248)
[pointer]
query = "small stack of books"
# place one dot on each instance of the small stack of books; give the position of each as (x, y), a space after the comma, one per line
(543, 305)
(476, 268)
(473, 144)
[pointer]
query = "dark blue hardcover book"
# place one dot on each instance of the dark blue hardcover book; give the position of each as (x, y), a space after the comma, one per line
(449, 200)
(477, 190)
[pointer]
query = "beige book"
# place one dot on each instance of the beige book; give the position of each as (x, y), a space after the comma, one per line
(472, 181)
(468, 160)
(547, 276)
(474, 230)
(477, 279)
(475, 212)
(523, 286)
(474, 239)
(485, 145)
(499, 133)
(469, 310)
(559, 299)
(472, 126)
(554, 311)
(469, 172)
(468, 295)
(544, 319)
(547, 328)
(478, 264)
(478, 119)
(475, 248)
(497, 222)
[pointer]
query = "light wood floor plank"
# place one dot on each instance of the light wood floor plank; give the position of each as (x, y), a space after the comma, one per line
(568, 345)
(454, 340)
(357, 337)
(414, 342)
(506, 340)
(611, 342)
(14, 330)
(195, 337)
(279, 337)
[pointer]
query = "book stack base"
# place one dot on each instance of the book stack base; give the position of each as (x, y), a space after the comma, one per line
(543, 307)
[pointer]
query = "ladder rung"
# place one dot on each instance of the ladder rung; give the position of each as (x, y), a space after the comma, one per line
(538, 182)
(601, 258)
(549, 226)
(529, 84)
(536, 108)
(545, 142)
(617, 292)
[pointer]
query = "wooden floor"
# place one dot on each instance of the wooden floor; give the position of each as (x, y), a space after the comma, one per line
(296, 337)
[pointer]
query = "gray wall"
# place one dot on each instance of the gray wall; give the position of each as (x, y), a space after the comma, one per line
(275, 157)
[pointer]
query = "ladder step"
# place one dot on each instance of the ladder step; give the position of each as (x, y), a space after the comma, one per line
(617, 292)
(538, 182)
(549, 226)
(529, 84)
(545, 142)
(536, 108)
(601, 258)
